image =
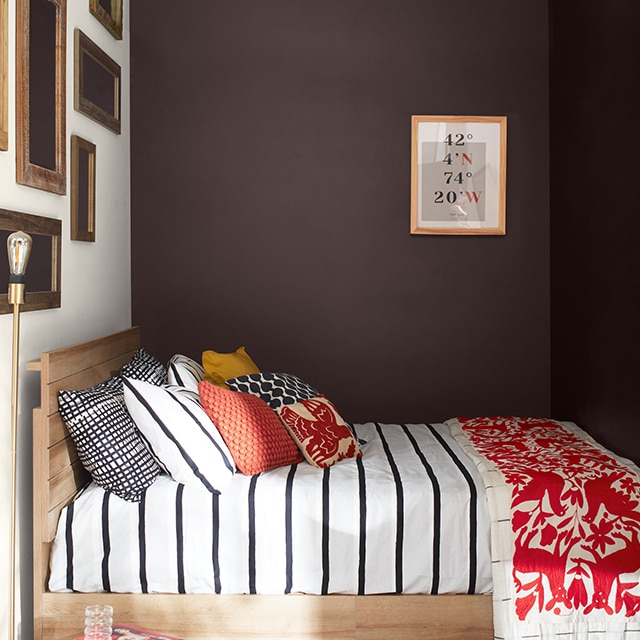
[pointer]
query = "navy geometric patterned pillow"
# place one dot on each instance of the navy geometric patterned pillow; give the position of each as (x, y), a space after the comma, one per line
(107, 440)
(144, 366)
(276, 389)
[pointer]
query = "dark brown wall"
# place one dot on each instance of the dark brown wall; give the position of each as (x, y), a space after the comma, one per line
(271, 185)
(596, 219)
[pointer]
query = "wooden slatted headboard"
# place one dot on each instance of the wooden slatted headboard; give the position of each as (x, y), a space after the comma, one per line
(57, 472)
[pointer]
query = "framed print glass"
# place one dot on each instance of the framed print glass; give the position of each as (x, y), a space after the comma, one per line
(458, 174)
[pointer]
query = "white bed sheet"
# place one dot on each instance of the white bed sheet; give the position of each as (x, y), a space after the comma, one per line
(410, 516)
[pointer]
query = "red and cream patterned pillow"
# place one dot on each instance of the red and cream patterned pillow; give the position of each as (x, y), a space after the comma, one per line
(252, 431)
(319, 431)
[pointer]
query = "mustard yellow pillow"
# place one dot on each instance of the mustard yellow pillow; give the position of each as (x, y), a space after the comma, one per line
(219, 367)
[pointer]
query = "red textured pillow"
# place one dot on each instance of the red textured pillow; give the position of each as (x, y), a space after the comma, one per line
(319, 431)
(253, 432)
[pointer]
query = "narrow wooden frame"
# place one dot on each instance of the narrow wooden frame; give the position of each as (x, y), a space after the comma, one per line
(83, 204)
(458, 174)
(4, 76)
(32, 224)
(112, 21)
(84, 46)
(53, 179)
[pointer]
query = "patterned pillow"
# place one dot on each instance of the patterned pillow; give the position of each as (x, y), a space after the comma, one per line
(111, 386)
(219, 367)
(144, 366)
(255, 436)
(182, 371)
(180, 434)
(276, 389)
(320, 433)
(108, 443)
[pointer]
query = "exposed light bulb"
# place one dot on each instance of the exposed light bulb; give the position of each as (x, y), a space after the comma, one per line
(18, 251)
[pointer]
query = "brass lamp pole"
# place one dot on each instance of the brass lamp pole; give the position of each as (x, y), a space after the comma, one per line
(18, 250)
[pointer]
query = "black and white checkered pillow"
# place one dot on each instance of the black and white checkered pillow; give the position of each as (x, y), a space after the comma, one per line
(108, 444)
(276, 389)
(185, 372)
(144, 366)
(180, 434)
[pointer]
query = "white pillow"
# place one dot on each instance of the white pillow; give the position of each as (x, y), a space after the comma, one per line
(185, 372)
(180, 434)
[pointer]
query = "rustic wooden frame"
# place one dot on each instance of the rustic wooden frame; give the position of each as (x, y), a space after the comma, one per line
(32, 224)
(83, 205)
(458, 175)
(58, 475)
(4, 76)
(52, 179)
(85, 46)
(111, 21)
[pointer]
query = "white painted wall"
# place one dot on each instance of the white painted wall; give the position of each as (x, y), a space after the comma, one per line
(96, 286)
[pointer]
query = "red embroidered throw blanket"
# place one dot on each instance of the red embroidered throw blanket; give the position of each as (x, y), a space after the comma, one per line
(574, 534)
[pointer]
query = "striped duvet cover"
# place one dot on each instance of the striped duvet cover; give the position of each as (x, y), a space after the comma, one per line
(410, 516)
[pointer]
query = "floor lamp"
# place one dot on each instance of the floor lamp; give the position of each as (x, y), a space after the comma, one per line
(18, 250)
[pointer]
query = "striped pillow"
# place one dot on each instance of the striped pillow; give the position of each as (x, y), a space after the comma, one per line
(185, 372)
(180, 434)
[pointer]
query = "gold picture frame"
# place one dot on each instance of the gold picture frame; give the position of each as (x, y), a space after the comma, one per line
(458, 175)
(109, 14)
(83, 189)
(97, 81)
(41, 96)
(4, 76)
(44, 265)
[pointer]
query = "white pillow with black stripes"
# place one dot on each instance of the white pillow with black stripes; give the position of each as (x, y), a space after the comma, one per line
(180, 434)
(183, 371)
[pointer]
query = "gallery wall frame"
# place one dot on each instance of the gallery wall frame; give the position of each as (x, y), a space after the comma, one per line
(458, 175)
(4, 76)
(45, 262)
(41, 44)
(83, 189)
(97, 79)
(109, 14)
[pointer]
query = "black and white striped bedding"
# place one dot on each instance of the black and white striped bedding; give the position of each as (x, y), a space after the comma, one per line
(410, 516)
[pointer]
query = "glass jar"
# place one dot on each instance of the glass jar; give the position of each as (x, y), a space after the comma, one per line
(98, 621)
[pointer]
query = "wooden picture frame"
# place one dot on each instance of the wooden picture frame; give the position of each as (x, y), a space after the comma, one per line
(97, 81)
(458, 175)
(44, 268)
(109, 14)
(4, 76)
(41, 94)
(83, 189)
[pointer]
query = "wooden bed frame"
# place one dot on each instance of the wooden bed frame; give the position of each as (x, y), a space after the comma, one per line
(58, 475)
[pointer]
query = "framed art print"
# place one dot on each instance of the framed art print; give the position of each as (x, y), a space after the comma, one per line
(97, 80)
(109, 14)
(83, 189)
(4, 75)
(458, 174)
